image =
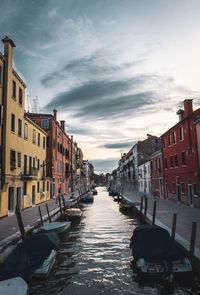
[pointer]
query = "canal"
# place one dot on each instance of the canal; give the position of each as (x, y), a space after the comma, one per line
(94, 256)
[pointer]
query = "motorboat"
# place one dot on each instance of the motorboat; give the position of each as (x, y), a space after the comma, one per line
(34, 256)
(87, 198)
(157, 255)
(74, 214)
(58, 226)
(15, 286)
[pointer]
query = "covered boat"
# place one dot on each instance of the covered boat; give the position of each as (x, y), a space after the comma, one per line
(157, 255)
(94, 192)
(15, 286)
(29, 255)
(74, 214)
(87, 198)
(58, 227)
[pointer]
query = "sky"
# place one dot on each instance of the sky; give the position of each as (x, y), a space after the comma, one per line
(115, 70)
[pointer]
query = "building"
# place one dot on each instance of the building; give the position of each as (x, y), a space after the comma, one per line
(180, 152)
(19, 142)
(58, 152)
(144, 177)
(79, 169)
(88, 175)
(157, 174)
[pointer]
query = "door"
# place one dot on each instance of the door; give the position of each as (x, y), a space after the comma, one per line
(190, 194)
(19, 197)
(166, 190)
(160, 187)
(11, 192)
(33, 195)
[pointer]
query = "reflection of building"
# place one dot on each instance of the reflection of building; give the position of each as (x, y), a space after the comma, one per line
(58, 151)
(181, 158)
(23, 143)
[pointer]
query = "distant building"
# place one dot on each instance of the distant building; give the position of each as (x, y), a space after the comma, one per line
(180, 150)
(88, 175)
(144, 177)
(157, 174)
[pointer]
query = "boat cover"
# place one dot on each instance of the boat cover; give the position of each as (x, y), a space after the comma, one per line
(153, 243)
(28, 255)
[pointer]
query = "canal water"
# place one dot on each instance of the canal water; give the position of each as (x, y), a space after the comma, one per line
(94, 256)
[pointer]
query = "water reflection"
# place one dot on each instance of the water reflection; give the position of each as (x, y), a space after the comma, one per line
(94, 257)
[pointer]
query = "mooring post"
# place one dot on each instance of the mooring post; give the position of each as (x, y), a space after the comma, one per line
(141, 207)
(145, 208)
(193, 238)
(64, 206)
(174, 225)
(154, 213)
(40, 215)
(20, 223)
(48, 213)
(59, 202)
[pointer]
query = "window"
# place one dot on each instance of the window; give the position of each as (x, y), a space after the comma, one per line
(34, 136)
(43, 186)
(166, 163)
(19, 127)
(38, 164)
(38, 186)
(174, 137)
(43, 142)
(1, 75)
(20, 96)
(169, 139)
(45, 124)
(33, 163)
(25, 131)
(164, 143)
(47, 186)
(194, 189)
(181, 133)
(176, 160)
(12, 159)
(25, 188)
(182, 187)
(183, 158)
(171, 161)
(159, 163)
(47, 141)
(38, 139)
(19, 156)
(14, 90)
(12, 122)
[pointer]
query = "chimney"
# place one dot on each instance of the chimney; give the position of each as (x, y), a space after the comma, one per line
(62, 124)
(55, 114)
(8, 50)
(180, 114)
(187, 107)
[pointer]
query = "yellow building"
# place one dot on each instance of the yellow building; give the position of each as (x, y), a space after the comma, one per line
(23, 145)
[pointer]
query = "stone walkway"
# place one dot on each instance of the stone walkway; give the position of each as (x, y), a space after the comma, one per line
(164, 215)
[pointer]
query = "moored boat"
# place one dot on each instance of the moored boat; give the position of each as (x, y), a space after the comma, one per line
(157, 255)
(15, 286)
(74, 214)
(88, 198)
(126, 206)
(94, 192)
(58, 227)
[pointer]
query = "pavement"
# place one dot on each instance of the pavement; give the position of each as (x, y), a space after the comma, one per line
(164, 216)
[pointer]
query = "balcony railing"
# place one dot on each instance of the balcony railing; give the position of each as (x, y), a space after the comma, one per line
(30, 174)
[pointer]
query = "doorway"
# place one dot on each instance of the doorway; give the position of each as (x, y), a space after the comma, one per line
(19, 197)
(33, 195)
(11, 201)
(190, 194)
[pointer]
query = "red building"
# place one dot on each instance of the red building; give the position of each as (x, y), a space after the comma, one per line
(180, 157)
(58, 151)
(157, 174)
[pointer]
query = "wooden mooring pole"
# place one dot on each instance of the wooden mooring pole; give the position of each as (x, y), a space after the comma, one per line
(154, 213)
(193, 238)
(141, 207)
(174, 225)
(145, 209)
(64, 205)
(48, 212)
(20, 223)
(59, 202)
(40, 215)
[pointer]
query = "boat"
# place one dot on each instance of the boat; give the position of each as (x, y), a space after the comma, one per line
(15, 286)
(73, 214)
(126, 205)
(87, 198)
(157, 255)
(94, 192)
(115, 199)
(58, 226)
(31, 255)
(45, 267)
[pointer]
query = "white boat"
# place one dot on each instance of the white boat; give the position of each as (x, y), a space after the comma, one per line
(16, 286)
(74, 213)
(58, 227)
(44, 269)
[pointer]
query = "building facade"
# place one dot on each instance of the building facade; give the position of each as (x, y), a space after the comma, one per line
(157, 188)
(180, 151)
(144, 177)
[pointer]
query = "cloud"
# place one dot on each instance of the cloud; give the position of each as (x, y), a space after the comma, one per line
(117, 145)
(104, 165)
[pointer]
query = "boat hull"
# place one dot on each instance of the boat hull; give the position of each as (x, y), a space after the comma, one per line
(58, 227)
(15, 286)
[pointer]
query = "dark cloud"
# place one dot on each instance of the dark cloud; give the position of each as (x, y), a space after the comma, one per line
(105, 165)
(80, 130)
(118, 145)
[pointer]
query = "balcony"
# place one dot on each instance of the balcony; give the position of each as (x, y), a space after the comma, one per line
(30, 175)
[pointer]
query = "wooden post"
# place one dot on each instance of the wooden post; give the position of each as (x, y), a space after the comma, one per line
(48, 213)
(145, 208)
(64, 206)
(141, 207)
(174, 225)
(40, 215)
(154, 213)
(59, 202)
(193, 238)
(20, 223)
